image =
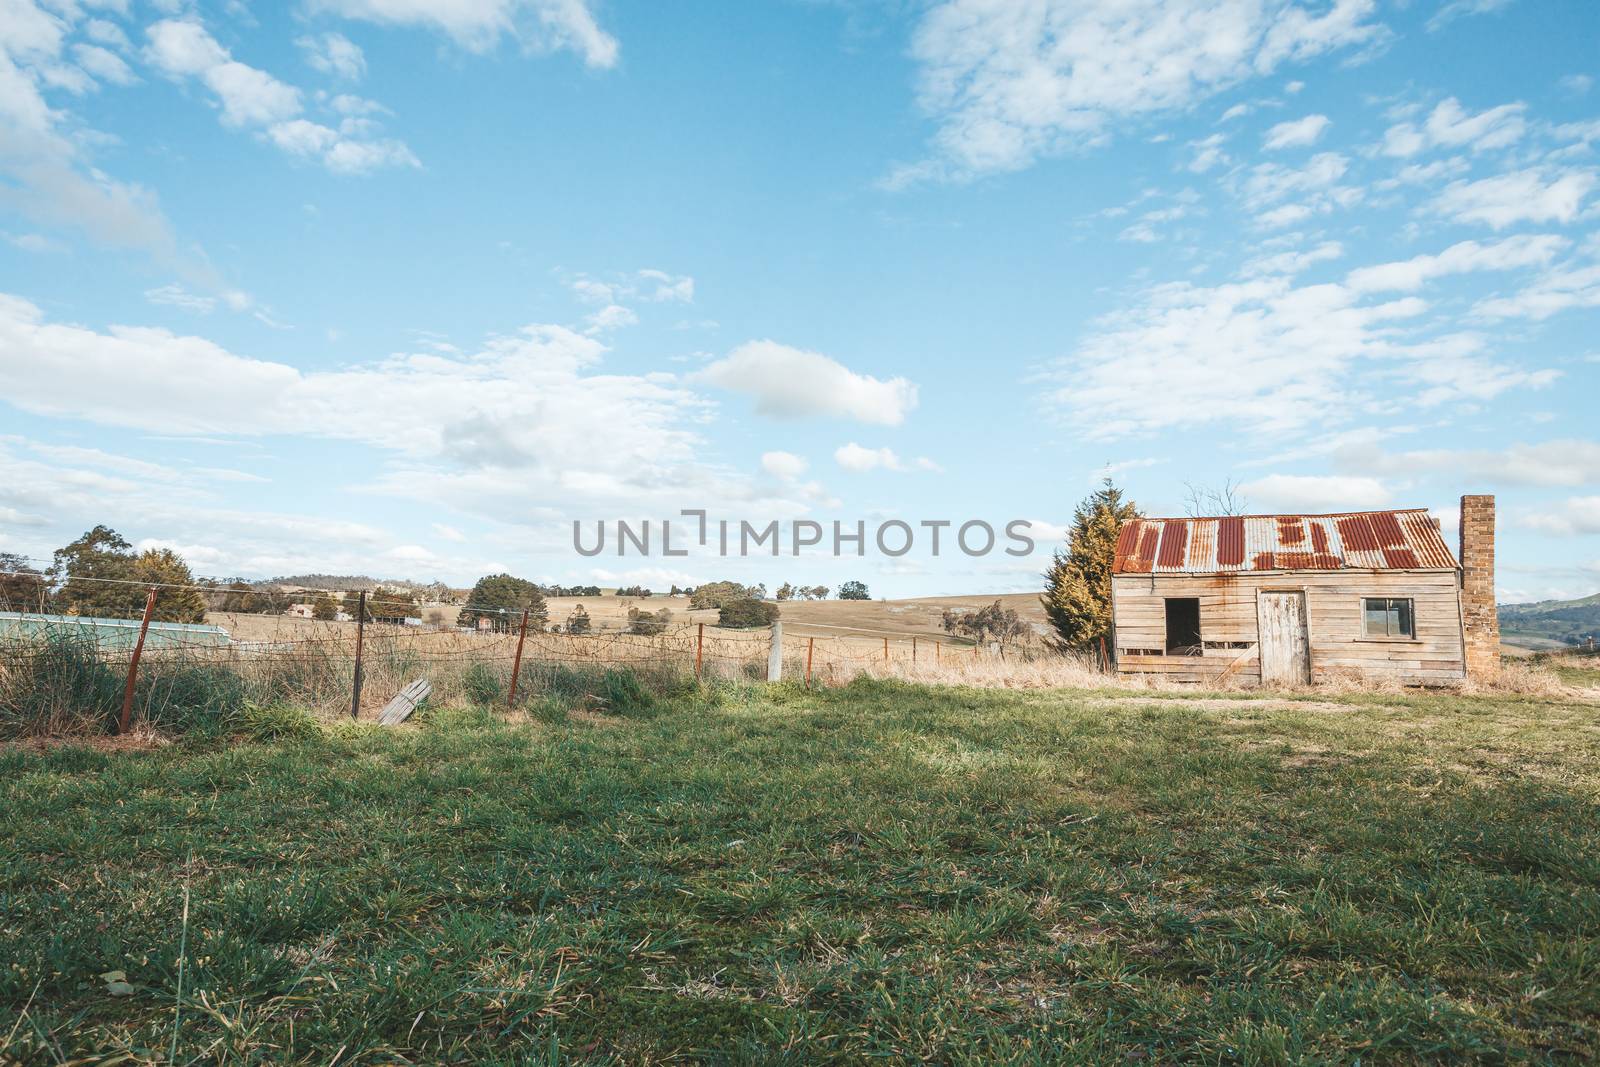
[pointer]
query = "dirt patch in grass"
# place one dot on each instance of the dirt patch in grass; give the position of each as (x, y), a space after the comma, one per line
(137, 741)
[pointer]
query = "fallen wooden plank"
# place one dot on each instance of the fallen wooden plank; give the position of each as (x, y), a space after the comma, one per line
(404, 703)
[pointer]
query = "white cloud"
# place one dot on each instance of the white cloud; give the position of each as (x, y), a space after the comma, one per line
(1315, 188)
(1146, 228)
(1296, 134)
(1577, 84)
(859, 459)
(793, 383)
(611, 317)
(1189, 356)
(253, 99)
(179, 297)
(1010, 83)
(1270, 182)
(668, 287)
(448, 533)
(103, 64)
(103, 31)
(592, 292)
(48, 174)
(1523, 250)
(478, 25)
(1294, 262)
(1455, 9)
(1531, 195)
(1554, 292)
(785, 465)
(523, 429)
(1568, 463)
(1316, 493)
(247, 96)
(1208, 153)
(1576, 516)
(854, 457)
(652, 286)
(334, 54)
(1452, 126)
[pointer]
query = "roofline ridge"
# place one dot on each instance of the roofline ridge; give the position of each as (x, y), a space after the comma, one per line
(1281, 515)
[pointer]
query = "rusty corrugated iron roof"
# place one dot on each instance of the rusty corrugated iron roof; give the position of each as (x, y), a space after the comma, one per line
(1358, 540)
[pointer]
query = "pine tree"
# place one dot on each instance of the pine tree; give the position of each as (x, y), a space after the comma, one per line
(1077, 596)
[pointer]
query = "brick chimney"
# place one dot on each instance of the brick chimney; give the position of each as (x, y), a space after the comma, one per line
(1480, 621)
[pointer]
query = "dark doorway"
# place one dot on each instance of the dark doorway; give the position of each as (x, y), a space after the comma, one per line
(1183, 626)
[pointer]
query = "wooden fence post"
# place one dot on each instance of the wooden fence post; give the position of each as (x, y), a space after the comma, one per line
(913, 650)
(516, 664)
(886, 651)
(361, 633)
(133, 664)
(775, 654)
(811, 648)
(699, 647)
(938, 656)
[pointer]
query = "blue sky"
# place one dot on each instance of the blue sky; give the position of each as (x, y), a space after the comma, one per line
(404, 287)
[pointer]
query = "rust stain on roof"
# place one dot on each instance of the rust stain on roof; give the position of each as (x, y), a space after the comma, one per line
(1368, 540)
(1230, 541)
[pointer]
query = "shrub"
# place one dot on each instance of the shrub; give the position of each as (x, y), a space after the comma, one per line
(56, 683)
(275, 722)
(746, 613)
(623, 692)
(482, 685)
(648, 623)
(183, 697)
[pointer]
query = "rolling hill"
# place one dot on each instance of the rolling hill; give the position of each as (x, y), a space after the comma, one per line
(1550, 623)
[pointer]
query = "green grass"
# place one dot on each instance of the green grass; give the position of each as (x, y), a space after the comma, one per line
(770, 875)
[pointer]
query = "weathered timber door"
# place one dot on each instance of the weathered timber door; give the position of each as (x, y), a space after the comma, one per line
(1285, 651)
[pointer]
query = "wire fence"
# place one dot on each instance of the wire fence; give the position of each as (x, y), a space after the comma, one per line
(66, 674)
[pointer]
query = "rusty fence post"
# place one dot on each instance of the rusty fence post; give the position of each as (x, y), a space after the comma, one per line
(811, 648)
(133, 664)
(516, 664)
(699, 647)
(937, 656)
(361, 633)
(913, 650)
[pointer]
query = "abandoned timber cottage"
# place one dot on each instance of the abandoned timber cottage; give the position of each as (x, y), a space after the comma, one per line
(1292, 599)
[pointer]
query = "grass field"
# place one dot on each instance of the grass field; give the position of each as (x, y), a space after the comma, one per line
(880, 870)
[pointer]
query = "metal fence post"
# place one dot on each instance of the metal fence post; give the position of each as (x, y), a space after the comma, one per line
(811, 648)
(361, 632)
(516, 664)
(133, 664)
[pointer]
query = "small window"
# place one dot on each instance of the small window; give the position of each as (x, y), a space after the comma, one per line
(1387, 617)
(1183, 625)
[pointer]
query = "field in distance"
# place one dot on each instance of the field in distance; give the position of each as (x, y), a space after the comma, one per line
(916, 617)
